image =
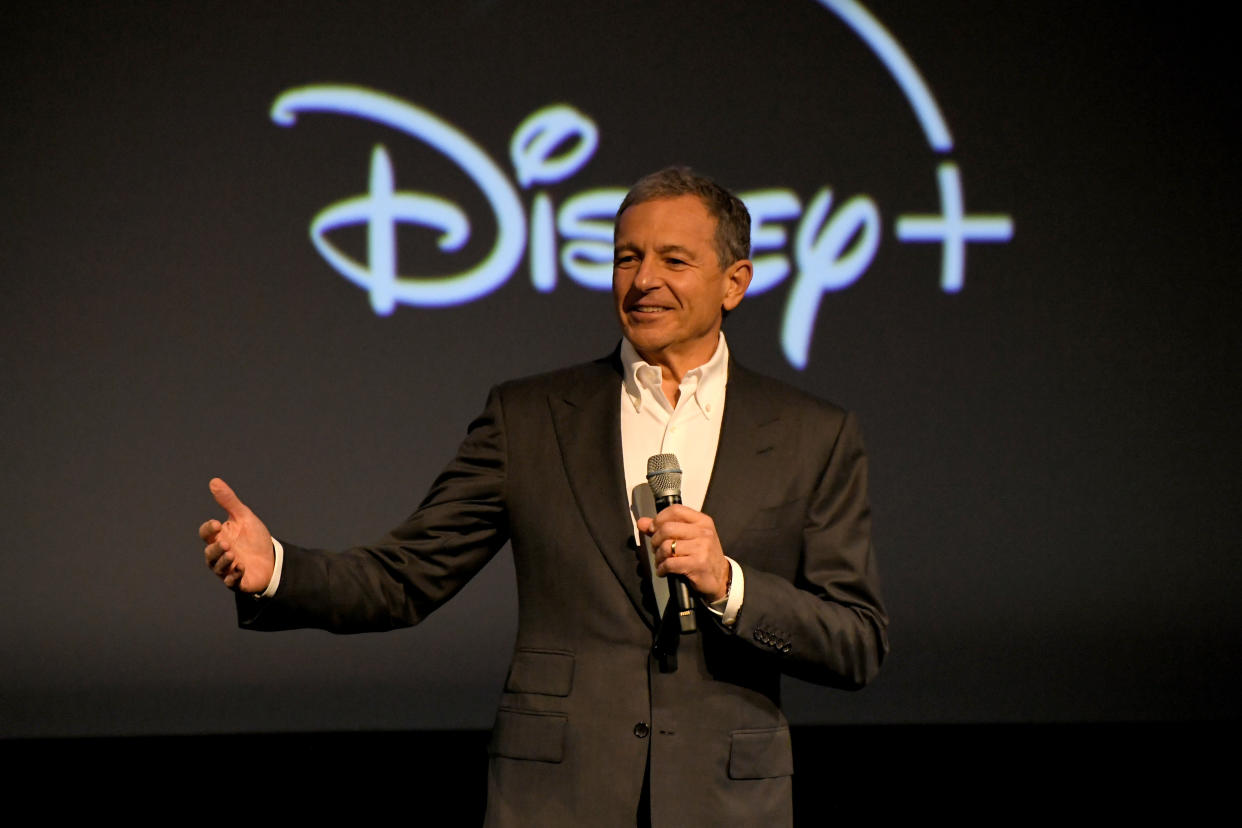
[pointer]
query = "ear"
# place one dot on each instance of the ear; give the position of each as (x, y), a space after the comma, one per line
(737, 279)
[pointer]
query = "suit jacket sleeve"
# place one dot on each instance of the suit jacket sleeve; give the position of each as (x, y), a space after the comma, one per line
(422, 563)
(812, 600)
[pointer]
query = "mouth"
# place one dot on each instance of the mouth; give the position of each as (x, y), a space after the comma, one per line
(647, 310)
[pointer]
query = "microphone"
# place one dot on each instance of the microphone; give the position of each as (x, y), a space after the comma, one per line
(664, 478)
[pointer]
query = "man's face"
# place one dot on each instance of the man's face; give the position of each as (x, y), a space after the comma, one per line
(668, 283)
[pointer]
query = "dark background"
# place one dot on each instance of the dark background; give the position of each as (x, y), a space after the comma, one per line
(1053, 448)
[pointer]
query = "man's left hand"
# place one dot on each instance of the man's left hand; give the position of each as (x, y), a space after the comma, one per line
(685, 543)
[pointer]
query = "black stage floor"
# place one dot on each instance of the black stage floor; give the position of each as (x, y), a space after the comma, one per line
(989, 773)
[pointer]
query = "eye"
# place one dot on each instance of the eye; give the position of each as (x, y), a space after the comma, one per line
(624, 259)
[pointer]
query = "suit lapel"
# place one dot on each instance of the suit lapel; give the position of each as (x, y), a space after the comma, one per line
(587, 420)
(746, 455)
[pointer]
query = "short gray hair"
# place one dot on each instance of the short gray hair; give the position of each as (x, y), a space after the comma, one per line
(732, 217)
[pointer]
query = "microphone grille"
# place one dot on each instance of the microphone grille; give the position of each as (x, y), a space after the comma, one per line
(664, 474)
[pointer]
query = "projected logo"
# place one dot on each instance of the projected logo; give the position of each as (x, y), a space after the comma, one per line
(834, 240)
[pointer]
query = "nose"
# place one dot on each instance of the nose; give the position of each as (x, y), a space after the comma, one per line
(647, 278)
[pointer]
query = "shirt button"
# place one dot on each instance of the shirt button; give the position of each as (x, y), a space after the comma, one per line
(641, 730)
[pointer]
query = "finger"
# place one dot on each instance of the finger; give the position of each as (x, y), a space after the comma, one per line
(665, 534)
(646, 525)
(227, 499)
(684, 521)
(223, 564)
(661, 559)
(208, 531)
(679, 513)
(684, 549)
(215, 551)
(674, 565)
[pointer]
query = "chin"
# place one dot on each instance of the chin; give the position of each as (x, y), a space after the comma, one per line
(643, 336)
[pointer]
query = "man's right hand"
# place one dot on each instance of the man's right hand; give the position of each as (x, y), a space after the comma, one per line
(239, 550)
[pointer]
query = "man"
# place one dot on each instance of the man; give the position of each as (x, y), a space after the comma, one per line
(609, 716)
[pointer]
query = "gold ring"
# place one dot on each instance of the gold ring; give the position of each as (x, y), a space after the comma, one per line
(672, 552)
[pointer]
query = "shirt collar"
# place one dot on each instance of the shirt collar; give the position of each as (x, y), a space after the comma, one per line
(705, 384)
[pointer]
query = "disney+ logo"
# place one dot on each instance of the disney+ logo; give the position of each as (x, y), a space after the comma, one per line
(834, 239)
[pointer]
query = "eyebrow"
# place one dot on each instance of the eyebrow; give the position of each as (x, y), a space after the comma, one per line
(663, 250)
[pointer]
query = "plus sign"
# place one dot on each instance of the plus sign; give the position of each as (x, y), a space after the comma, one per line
(953, 228)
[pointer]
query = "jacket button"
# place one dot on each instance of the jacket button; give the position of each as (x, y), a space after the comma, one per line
(641, 730)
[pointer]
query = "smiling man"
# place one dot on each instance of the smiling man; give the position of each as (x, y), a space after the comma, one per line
(606, 718)
(672, 280)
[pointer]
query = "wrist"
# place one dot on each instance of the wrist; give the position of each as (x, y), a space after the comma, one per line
(726, 578)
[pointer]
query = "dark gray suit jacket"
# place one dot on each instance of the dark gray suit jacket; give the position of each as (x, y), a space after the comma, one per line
(585, 707)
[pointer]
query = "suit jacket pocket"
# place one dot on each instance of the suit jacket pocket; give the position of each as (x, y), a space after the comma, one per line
(760, 754)
(545, 672)
(522, 734)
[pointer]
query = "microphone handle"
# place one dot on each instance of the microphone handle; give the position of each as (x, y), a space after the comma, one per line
(680, 586)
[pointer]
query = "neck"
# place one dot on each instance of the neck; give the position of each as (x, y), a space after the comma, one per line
(675, 365)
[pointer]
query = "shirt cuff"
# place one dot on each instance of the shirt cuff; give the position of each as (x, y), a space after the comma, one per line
(274, 584)
(728, 607)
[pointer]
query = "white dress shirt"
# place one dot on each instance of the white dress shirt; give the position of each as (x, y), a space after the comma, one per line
(650, 425)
